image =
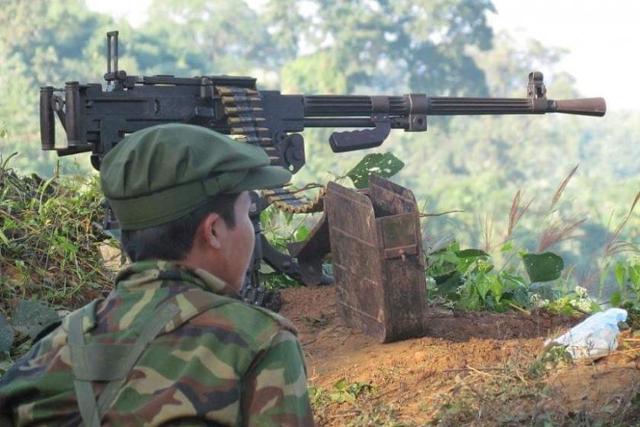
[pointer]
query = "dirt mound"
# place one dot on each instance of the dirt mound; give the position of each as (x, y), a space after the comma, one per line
(471, 368)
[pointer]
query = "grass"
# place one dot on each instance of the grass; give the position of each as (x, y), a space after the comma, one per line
(49, 249)
(520, 392)
(353, 404)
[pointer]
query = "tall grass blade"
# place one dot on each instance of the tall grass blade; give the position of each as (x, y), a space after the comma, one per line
(561, 188)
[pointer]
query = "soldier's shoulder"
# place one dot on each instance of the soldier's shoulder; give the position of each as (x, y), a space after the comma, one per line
(255, 324)
(264, 315)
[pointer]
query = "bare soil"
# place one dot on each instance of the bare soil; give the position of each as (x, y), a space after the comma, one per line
(471, 369)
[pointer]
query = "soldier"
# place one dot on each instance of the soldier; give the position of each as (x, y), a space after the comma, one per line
(172, 344)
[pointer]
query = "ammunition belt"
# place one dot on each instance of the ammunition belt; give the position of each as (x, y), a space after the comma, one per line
(243, 107)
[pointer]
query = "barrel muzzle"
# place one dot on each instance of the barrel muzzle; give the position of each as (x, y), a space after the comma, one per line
(585, 107)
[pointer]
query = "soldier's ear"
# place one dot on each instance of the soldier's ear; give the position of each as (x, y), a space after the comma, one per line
(211, 230)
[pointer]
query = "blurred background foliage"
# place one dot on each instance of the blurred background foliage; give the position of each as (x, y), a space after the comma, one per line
(441, 47)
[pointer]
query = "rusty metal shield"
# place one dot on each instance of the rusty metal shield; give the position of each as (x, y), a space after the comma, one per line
(378, 259)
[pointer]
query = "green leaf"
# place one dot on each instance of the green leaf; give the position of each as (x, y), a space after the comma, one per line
(301, 233)
(616, 299)
(496, 288)
(385, 165)
(511, 281)
(466, 258)
(341, 384)
(483, 285)
(449, 257)
(620, 273)
(485, 266)
(4, 238)
(356, 389)
(288, 217)
(520, 297)
(634, 275)
(470, 300)
(6, 335)
(507, 247)
(543, 267)
(544, 290)
(30, 317)
(472, 253)
(448, 285)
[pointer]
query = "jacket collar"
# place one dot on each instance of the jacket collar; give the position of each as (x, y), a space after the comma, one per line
(138, 276)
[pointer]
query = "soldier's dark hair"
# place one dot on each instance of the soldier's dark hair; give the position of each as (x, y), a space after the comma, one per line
(173, 241)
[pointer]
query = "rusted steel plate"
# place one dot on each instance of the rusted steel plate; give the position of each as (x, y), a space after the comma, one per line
(378, 259)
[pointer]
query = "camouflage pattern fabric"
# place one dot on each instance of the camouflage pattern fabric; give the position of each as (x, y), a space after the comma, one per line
(218, 361)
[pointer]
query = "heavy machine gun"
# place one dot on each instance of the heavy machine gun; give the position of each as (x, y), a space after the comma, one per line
(96, 118)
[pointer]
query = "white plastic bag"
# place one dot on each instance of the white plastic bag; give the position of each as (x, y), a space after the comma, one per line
(594, 337)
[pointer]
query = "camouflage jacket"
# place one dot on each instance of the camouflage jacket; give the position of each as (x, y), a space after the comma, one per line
(216, 361)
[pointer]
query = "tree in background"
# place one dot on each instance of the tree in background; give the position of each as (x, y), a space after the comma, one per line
(382, 45)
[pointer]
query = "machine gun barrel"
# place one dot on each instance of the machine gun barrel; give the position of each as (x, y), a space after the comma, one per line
(410, 112)
(442, 106)
(318, 106)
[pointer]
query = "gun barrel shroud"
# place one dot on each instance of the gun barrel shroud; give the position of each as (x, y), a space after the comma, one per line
(339, 111)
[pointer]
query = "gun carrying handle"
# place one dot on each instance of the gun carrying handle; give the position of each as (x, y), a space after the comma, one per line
(47, 120)
(585, 107)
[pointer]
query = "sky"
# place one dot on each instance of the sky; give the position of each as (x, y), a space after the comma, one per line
(600, 38)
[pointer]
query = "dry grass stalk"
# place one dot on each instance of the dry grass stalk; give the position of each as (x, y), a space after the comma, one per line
(613, 245)
(487, 233)
(557, 232)
(516, 213)
(425, 215)
(561, 188)
(619, 247)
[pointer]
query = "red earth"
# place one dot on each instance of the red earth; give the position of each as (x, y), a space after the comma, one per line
(412, 380)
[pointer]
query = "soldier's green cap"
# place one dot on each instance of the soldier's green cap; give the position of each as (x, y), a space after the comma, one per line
(161, 173)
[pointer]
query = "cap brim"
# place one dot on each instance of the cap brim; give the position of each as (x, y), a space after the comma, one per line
(263, 178)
